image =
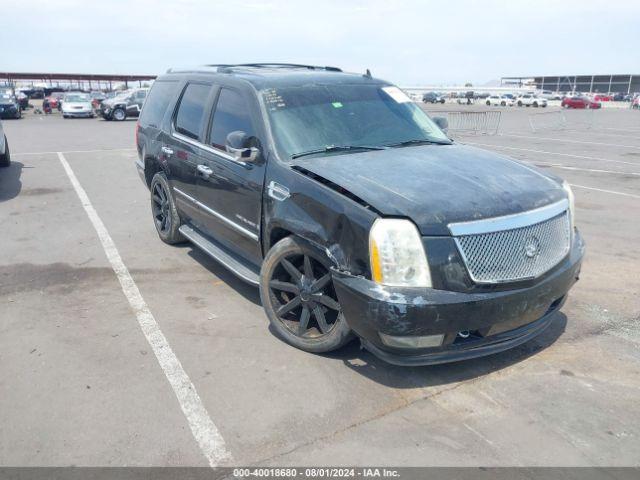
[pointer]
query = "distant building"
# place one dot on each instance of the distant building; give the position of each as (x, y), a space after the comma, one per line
(623, 83)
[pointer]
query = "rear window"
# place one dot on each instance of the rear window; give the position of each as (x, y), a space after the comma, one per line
(157, 102)
(191, 110)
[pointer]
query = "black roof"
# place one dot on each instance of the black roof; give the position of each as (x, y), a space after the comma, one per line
(267, 75)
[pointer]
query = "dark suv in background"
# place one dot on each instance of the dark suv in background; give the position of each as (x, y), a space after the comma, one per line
(354, 213)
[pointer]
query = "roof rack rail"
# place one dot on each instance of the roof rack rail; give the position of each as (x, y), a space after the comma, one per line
(228, 67)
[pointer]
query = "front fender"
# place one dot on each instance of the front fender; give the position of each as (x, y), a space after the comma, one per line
(334, 223)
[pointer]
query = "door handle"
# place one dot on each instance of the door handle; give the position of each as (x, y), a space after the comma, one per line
(205, 171)
(167, 151)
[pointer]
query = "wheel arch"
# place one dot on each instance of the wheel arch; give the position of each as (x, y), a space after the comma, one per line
(331, 222)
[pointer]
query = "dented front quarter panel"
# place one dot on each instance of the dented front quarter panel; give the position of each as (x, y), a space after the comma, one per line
(336, 225)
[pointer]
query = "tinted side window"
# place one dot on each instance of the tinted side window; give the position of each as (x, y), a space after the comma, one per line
(191, 110)
(159, 97)
(232, 113)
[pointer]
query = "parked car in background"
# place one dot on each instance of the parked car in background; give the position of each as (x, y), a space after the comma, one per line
(353, 213)
(125, 105)
(579, 101)
(23, 100)
(500, 100)
(97, 98)
(433, 97)
(635, 103)
(530, 100)
(55, 100)
(9, 106)
(5, 155)
(619, 97)
(77, 104)
(601, 97)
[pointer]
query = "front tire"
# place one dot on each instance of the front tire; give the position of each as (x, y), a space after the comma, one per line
(119, 115)
(519, 103)
(5, 159)
(299, 298)
(164, 211)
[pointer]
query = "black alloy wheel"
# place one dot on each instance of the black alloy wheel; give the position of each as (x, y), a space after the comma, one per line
(163, 208)
(300, 299)
(160, 208)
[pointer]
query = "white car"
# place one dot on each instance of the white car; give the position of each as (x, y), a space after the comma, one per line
(530, 100)
(499, 100)
(77, 104)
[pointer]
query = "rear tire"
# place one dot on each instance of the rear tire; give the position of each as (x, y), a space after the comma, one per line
(299, 299)
(5, 159)
(164, 211)
(519, 103)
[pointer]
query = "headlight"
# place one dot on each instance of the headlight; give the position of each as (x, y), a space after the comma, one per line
(572, 207)
(397, 255)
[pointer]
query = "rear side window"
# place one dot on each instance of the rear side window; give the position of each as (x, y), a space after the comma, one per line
(232, 113)
(159, 97)
(191, 110)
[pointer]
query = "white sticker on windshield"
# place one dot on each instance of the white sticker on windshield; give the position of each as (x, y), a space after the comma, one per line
(397, 94)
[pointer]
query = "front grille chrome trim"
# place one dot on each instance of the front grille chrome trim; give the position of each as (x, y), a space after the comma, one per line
(508, 222)
(511, 250)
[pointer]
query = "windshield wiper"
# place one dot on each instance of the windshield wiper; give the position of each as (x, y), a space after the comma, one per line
(416, 141)
(338, 148)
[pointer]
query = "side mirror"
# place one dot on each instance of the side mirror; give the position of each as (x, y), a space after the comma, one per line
(441, 122)
(239, 146)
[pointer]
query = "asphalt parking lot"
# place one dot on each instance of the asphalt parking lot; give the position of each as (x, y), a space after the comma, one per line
(80, 384)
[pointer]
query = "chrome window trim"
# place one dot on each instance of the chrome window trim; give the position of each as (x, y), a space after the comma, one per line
(207, 148)
(508, 222)
(219, 216)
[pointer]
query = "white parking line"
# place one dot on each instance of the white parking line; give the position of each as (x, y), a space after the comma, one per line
(563, 140)
(606, 191)
(204, 430)
(13, 154)
(570, 155)
(594, 170)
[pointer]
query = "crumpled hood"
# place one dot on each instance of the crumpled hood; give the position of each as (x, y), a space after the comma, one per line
(435, 185)
(112, 101)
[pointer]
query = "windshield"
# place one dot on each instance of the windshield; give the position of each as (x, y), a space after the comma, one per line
(308, 118)
(77, 98)
(6, 98)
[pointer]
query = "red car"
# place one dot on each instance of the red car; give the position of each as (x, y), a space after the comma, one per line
(600, 97)
(55, 100)
(579, 102)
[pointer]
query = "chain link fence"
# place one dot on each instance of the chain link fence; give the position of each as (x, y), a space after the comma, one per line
(562, 120)
(480, 123)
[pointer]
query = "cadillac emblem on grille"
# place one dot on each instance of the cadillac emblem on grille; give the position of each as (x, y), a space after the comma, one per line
(532, 247)
(515, 247)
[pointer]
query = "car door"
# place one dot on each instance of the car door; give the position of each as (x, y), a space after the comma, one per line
(182, 146)
(135, 101)
(231, 191)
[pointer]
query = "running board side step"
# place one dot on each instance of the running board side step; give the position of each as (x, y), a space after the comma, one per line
(235, 265)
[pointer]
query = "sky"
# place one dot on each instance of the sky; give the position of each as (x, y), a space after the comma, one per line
(407, 42)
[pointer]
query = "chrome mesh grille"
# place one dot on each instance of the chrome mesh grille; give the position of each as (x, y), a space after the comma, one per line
(516, 254)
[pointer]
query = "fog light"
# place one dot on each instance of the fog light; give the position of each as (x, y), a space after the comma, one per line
(412, 342)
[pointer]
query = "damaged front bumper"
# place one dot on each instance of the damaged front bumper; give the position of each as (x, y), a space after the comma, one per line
(490, 322)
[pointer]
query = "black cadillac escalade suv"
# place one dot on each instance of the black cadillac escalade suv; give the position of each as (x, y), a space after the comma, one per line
(354, 213)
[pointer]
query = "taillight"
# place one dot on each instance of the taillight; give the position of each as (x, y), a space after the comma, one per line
(137, 131)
